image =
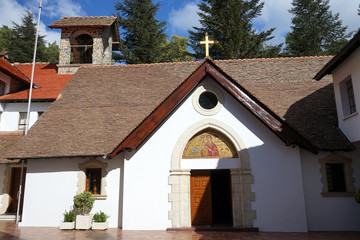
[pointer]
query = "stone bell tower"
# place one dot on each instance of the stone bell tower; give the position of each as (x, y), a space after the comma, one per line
(86, 41)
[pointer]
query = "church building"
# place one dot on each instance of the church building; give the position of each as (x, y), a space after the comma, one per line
(246, 143)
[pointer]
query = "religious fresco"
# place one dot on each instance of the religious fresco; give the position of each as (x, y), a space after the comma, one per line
(209, 144)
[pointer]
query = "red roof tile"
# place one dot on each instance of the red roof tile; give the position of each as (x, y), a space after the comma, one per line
(50, 83)
(9, 69)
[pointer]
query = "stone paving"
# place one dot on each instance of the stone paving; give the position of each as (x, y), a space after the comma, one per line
(8, 231)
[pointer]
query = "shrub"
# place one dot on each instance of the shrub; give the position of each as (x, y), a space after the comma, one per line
(100, 217)
(357, 195)
(84, 202)
(69, 216)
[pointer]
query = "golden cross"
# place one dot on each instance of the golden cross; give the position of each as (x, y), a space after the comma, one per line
(207, 44)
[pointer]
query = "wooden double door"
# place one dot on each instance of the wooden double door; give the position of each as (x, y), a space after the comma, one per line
(211, 197)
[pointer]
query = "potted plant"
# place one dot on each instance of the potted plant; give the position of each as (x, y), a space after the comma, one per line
(100, 221)
(69, 220)
(83, 204)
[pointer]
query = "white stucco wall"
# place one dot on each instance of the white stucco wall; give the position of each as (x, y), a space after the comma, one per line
(349, 125)
(279, 204)
(329, 213)
(9, 118)
(51, 185)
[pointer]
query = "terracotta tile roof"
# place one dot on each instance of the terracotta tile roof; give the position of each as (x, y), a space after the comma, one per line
(7, 141)
(10, 70)
(83, 21)
(100, 106)
(50, 83)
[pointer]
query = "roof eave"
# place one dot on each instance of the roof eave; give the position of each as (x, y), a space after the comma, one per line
(345, 52)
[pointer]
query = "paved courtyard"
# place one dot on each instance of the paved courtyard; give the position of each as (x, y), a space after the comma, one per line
(8, 231)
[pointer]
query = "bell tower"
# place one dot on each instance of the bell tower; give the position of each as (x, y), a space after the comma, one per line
(86, 41)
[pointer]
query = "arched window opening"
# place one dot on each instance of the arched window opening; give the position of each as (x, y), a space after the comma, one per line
(82, 49)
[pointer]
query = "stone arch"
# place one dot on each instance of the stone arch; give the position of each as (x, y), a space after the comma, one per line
(82, 47)
(241, 178)
(218, 126)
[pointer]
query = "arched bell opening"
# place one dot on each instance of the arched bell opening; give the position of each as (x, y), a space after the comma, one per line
(82, 49)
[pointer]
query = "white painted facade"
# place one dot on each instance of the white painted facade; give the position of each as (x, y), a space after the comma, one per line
(329, 213)
(287, 184)
(348, 123)
(9, 122)
(10, 114)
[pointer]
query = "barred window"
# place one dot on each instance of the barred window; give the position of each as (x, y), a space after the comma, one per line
(93, 180)
(335, 177)
(351, 97)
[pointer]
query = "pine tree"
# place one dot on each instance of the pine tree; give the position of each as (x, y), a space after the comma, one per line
(21, 48)
(315, 30)
(229, 23)
(143, 35)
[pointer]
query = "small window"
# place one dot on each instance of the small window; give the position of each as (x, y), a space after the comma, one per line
(39, 114)
(336, 176)
(22, 121)
(208, 100)
(347, 97)
(93, 180)
(2, 88)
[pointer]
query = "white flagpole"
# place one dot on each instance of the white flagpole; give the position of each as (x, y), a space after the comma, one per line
(32, 72)
(28, 113)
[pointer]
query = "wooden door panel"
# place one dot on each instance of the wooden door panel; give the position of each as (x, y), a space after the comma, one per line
(200, 186)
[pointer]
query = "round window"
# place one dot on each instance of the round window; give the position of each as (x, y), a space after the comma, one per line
(208, 100)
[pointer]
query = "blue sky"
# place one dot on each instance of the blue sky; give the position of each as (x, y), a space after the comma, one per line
(180, 15)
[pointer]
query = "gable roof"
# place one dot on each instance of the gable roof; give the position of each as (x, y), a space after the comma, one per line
(345, 52)
(103, 105)
(12, 71)
(83, 22)
(46, 78)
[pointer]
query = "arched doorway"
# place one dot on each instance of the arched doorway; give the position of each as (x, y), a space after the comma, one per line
(186, 161)
(82, 49)
(210, 189)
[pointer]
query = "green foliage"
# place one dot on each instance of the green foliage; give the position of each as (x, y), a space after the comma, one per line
(52, 53)
(315, 30)
(69, 216)
(100, 217)
(176, 50)
(19, 41)
(143, 35)
(84, 202)
(229, 22)
(5, 38)
(357, 195)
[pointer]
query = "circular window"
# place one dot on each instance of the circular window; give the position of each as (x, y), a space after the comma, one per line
(208, 100)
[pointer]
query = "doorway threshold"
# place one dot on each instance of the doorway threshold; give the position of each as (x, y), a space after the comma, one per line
(214, 228)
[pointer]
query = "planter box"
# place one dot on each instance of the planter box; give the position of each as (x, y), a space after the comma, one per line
(99, 225)
(67, 225)
(83, 222)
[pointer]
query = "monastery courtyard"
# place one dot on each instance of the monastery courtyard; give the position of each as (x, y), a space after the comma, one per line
(8, 230)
